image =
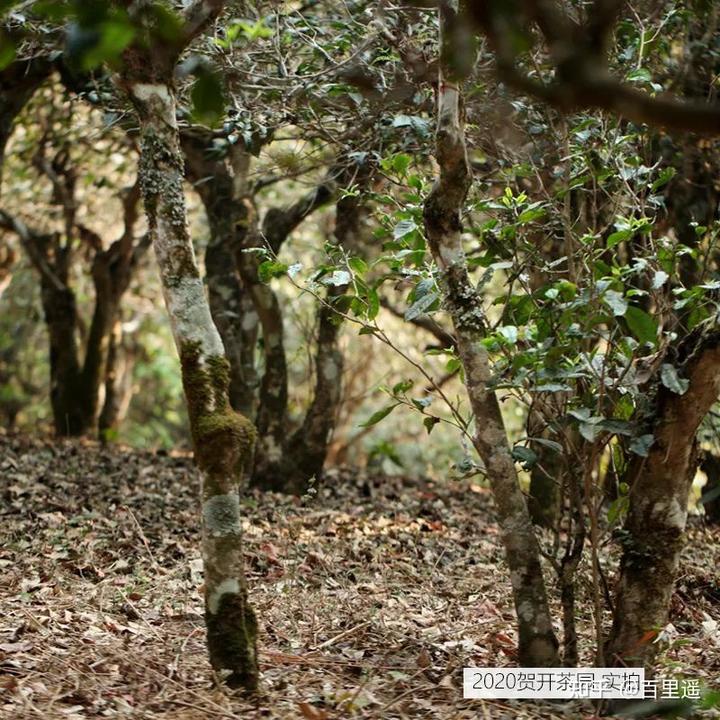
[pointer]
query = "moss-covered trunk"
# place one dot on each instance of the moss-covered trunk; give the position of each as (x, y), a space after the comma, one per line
(653, 534)
(443, 207)
(222, 438)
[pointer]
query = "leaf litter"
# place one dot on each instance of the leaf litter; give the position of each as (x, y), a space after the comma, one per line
(373, 594)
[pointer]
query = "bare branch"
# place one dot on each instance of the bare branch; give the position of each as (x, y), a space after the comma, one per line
(445, 338)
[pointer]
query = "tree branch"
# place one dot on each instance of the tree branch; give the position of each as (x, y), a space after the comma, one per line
(582, 80)
(32, 241)
(198, 16)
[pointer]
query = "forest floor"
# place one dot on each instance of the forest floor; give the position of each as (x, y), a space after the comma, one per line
(373, 593)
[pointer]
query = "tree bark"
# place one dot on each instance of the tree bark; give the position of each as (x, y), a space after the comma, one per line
(711, 491)
(537, 642)
(18, 83)
(222, 438)
(222, 186)
(308, 446)
(653, 534)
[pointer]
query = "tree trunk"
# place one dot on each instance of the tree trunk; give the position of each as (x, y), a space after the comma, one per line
(269, 468)
(18, 83)
(222, 186)
(222, 438)
(546, 475)
(711, 492)
(660, 484)
(118, 384)
(538, 644)
(66, 388)
(308, 447)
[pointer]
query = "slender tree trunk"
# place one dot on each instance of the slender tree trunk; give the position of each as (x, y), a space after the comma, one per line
(222, 186)
(222, 438)
(308, 447)
(66, 388)
(538, 644)
(660, 484)
(118, 383)
(269, 468)
(546, 475)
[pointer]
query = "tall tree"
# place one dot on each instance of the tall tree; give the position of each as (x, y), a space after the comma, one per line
(538, 645)
(222, 438)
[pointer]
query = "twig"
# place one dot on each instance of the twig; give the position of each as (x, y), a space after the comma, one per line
(342, 636)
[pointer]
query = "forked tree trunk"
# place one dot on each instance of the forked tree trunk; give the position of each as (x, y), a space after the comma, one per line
(538, 644)
(660, 484)
(222, 186)
(222, 439)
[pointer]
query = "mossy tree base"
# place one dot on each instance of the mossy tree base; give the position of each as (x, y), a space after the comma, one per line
(232, 641)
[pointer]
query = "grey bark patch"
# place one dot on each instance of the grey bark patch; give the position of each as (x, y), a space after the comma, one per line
(221, 514)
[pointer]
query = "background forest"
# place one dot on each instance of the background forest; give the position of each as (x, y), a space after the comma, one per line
(422, 297)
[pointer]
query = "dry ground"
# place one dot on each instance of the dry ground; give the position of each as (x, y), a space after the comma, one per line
(373, 593)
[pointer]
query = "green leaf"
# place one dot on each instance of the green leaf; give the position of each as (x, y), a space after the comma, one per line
(659, 279)
(114, 37)
(554, 446)
(402, 386)
(617, 427)
(376, 417)
(403, 228)
(551, 387)
(6, 5)
(639, 75)
(418, 124)
(337, 278)
(641, 445)
(373, 301)
(643, 326)
(422, 403)
(255, 31)
(615, 301)
(430, 422)
(401, 163)
(531, 214)
(524, 455)
(509, 333)
(665, 176)
(583, 414)
(672, 381)
(421, 306)
(618, 508)
(358, 265)
(208, 98)
(271, 269)
(590, 431)
(7, 51)
(618, 237)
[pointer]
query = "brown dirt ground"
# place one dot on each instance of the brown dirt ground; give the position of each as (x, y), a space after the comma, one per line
(373, 593)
